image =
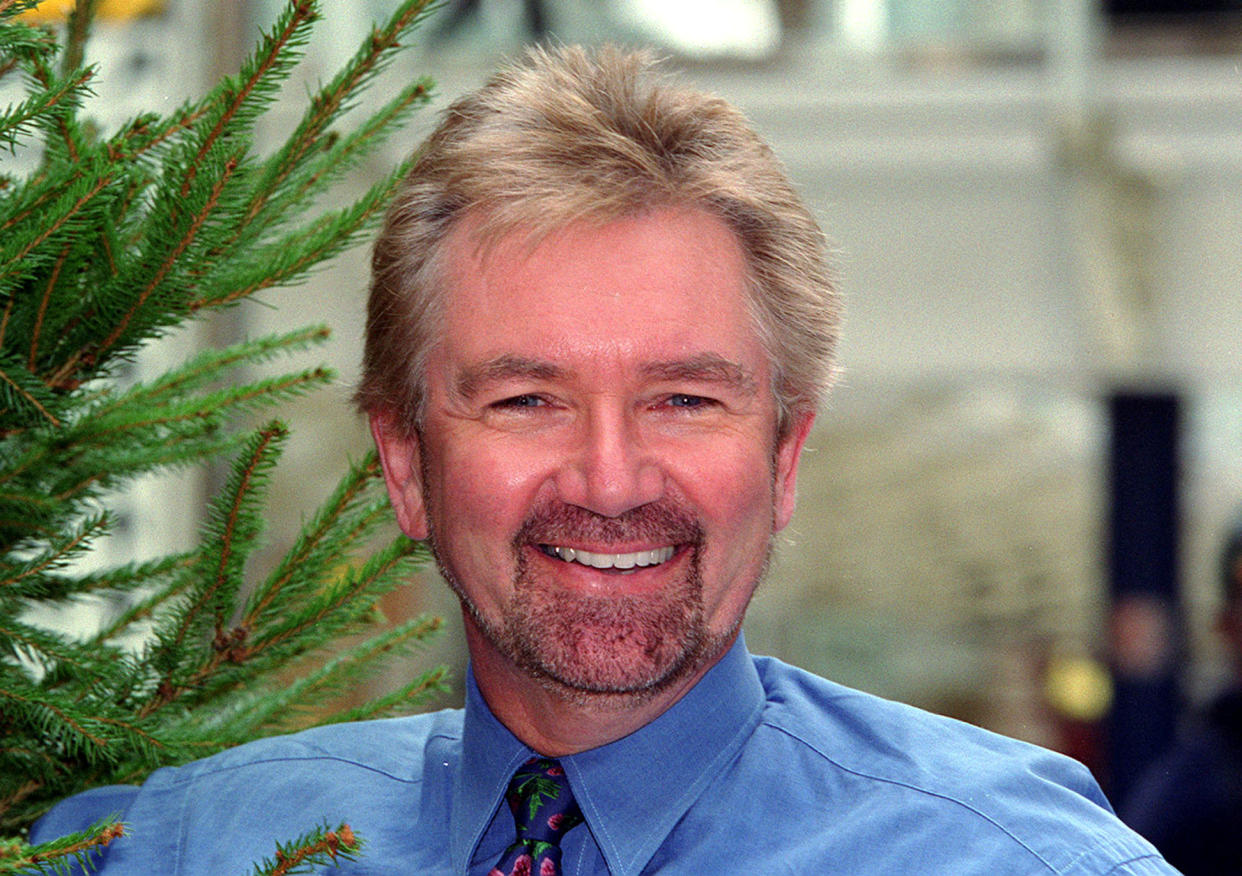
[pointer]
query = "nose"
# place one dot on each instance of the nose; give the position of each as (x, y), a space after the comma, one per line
(612, 468)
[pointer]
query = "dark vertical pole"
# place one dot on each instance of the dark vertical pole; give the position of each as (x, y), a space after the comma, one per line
(1144, 525)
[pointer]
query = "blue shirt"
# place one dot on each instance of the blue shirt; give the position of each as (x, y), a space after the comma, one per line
(760, 768)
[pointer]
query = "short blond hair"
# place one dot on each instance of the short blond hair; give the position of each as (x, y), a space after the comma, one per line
(570, 134)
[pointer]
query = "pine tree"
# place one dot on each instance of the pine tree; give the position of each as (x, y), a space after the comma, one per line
(111, 241)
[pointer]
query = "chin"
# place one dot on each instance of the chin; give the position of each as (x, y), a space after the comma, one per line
(617, 665)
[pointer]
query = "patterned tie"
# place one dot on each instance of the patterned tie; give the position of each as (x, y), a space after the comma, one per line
(543, 810)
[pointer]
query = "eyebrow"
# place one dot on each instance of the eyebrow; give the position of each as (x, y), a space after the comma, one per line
(704, 367)
(473, 378)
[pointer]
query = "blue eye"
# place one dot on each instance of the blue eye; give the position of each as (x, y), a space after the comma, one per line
(682, 400)
(520, 401)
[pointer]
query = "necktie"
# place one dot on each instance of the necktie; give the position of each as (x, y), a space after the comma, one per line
(543, 811)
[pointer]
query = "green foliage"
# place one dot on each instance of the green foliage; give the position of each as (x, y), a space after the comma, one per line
(111, 241)
(323, 846)
(60, 855)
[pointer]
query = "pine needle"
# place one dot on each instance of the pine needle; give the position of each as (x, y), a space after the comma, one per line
(112, 239)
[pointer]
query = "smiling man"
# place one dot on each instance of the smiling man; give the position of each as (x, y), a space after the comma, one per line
(601, 500)
(599, 326)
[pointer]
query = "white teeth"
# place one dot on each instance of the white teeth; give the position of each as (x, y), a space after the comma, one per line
(615, 561)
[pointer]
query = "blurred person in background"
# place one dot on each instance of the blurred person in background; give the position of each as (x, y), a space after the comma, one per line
(1189, 803)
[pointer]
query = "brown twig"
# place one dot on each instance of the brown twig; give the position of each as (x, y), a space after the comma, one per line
(52, 559)
(302, 12)
(183, 244)
(4, 321)
(326, 104)
(47, 296)
(293, 562)
(48, 415)
(60, 221)
(99, 742)
(332, 844)
(335, 603)
(103, 838)
(167, 690)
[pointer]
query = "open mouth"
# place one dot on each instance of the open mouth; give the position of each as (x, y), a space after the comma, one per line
(623, 562)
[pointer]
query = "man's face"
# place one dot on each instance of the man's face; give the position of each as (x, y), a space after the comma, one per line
(597, 466)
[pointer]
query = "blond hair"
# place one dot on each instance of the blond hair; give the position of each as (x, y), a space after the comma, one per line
(570, 134)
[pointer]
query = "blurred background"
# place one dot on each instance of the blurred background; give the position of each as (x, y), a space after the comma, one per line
(1014, 504)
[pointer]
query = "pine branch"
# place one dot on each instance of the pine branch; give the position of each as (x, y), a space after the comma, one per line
(305, 550)
(343, 153)
(341, 605)
(400, 700)
(37, 571)
(43, 303)
(56, 720)
(19, 857)
(77, 31)
(367, 62)
(208, 365)
(290, 259)
(61, 213)
(62, 128)
(40, 647)
(131, 576)
(260, 76)
(137, 410)
(284, 185)
(160, 593)
(149, 133)
(40, 107)
(116, 239)
(237, 530)
(271, 711)
(231, 533)
(22, 396)
(162, 272)
(323, 612)
(27, 787)
(321, 848)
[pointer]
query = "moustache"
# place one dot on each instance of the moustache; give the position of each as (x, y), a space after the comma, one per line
(660, 522)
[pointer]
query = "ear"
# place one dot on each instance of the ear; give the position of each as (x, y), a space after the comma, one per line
(400, 457)
(788, 452)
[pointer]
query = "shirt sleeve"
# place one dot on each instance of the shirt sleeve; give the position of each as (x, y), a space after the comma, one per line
(1150, 865)
(80, 811)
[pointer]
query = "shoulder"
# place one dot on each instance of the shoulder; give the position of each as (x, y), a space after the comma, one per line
(390, 746)
(275, 776)
(926, 777)
(871, 735)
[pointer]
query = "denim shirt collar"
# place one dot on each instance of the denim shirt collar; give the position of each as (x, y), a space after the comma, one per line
(632, 792)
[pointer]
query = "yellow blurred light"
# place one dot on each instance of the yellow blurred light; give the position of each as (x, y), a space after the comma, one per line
(120, 10)
(1079, 688)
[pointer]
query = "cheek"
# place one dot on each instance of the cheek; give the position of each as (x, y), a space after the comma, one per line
(731, 485)
(734, 496)
(485, 488)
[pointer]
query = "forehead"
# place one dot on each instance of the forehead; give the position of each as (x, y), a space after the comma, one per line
(671, 282)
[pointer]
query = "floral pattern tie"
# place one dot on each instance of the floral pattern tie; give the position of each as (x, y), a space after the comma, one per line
(543, 811)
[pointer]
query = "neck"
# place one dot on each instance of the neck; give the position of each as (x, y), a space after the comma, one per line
(557, 721)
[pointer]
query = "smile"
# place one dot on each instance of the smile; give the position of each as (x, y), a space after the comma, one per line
(637, 559)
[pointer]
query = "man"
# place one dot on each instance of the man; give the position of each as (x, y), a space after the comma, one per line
(600, 322)
(1189, 802)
